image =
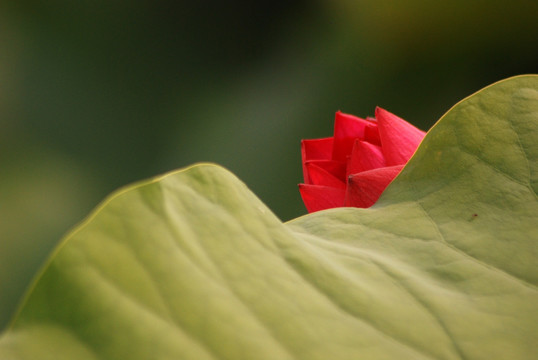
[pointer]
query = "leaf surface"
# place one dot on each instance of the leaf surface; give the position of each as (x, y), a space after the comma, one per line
(191, 265)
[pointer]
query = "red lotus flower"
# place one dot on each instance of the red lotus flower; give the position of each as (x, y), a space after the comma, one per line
(354, 167)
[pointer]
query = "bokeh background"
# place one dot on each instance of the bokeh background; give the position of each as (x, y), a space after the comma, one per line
(98, 94)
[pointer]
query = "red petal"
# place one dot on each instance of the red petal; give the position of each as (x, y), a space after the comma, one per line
(320, 176)
(399, 139)
(365, 156)
(315, 149)
(371, 133)
(347, 128)
(337, 169)
(363, 189)
(316, 197)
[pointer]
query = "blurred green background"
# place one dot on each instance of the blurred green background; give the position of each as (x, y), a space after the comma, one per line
(98, 94)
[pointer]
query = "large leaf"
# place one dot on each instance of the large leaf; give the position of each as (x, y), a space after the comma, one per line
(192, 265)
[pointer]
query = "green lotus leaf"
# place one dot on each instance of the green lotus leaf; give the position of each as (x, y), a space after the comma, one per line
(191, 265)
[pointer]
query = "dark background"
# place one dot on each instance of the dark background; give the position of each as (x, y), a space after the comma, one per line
(98, 94)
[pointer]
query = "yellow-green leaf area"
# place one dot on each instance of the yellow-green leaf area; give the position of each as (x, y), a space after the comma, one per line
(191, 265)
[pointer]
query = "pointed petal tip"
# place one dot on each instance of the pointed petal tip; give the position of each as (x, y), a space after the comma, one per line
(399, 138)
(379, 111)
(365, 188)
